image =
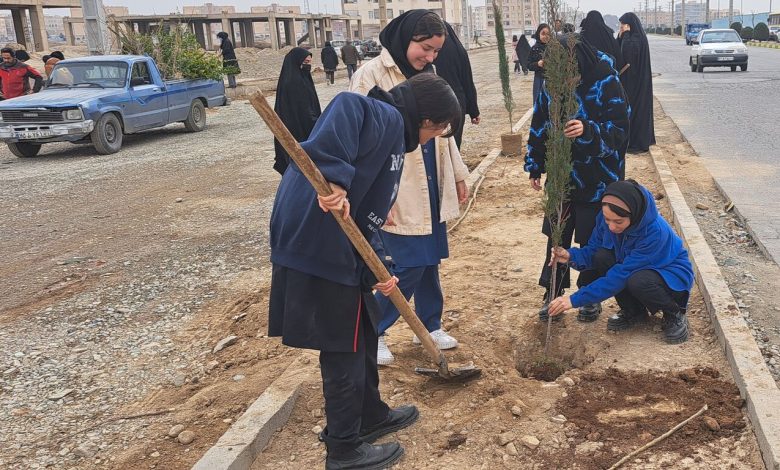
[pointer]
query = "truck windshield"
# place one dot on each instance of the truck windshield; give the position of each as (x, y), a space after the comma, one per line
(720, 36)
(99, 74)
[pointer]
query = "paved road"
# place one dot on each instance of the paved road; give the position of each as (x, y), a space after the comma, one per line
(731, 120)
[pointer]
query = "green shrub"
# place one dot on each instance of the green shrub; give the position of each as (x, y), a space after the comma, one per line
(175, 49)
(761, 32)
(747, 33)
(736, 26)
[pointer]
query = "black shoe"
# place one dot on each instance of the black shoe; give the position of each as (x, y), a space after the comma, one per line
(675, 327)
(589, 313)
(544, 314)
(397, 419)
(366, 457)
(622, 321)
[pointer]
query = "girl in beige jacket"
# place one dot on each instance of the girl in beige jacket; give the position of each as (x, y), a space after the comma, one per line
(432, 182)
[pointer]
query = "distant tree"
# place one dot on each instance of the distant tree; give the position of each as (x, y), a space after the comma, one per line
(678, 30)
(736, 26)
(747, 33)
(761, 33)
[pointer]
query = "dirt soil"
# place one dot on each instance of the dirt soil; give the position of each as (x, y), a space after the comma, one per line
(198, 272)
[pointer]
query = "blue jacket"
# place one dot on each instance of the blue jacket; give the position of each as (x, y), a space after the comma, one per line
(598, 154)
(651, 244)
(357, 143)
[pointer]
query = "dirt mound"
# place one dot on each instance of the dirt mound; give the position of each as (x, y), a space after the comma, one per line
(629, 409)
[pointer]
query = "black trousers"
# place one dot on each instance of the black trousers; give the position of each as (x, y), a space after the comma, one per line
(350, 385)
(330, 76)
(579, 225)
(645, 290)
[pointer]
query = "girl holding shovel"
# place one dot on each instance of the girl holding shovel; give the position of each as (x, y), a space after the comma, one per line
(432, 184)
(639, 259)
(320, 288)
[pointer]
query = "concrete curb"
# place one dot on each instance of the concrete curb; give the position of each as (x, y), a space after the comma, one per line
(247, 437)
(747, 364)
(764, 45)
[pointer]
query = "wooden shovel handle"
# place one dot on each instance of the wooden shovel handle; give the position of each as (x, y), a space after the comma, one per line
(312, 173)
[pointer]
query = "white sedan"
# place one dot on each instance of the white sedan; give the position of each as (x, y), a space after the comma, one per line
(719, 48)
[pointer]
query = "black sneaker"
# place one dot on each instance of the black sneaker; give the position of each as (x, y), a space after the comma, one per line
(622, 321)
(675, 327)
(398, 418)
(589, 313)
(366, 457)
(544, 314)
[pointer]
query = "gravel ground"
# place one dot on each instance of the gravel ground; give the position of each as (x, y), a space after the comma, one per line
(106, 260)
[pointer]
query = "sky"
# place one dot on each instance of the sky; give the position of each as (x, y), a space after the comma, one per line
(615, 7)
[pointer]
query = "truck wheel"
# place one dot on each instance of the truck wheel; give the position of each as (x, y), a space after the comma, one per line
(699, 67)
(743, 67)
(733, 68)
(24, 149)
(196, 119)
(107, 135)
(693, 66)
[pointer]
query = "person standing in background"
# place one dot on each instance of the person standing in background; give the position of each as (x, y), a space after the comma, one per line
(523, 51)
(350, 57)
(15, 76)
(536, 57)
(595, 32)
(453, 65)
(297, 103)
(515, 58)
(638, 82)
(330, 61)
(229, 60)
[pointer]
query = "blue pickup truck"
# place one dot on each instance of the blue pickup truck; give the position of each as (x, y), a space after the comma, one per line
(101, 98)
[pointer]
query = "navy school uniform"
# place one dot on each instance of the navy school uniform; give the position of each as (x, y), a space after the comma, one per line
(320, 288)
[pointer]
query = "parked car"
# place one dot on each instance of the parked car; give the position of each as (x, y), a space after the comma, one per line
(774, 33)
(718, 48)
(692, 31)
(101, 98)
(371, 48)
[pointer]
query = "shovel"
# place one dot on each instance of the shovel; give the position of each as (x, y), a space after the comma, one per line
(362, 246)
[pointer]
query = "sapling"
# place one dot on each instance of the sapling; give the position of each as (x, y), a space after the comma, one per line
(561, 76)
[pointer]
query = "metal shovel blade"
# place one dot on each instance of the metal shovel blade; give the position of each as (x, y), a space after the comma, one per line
(464, 372)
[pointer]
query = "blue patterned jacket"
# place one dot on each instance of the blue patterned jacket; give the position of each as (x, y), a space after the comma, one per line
(598, 154)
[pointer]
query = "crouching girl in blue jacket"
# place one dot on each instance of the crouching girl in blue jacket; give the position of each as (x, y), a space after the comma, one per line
(320, 288)
(639, 259)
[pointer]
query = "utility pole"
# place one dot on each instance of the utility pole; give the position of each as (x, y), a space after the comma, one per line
(655, 17)
(731, 12)
(707, 14)
(672, 13)
(682, 19)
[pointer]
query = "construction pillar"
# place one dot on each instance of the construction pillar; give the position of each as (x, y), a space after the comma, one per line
(312, 32)
(197, 27)
(226, 27)
(38, 24)
(242, 33)
(273, 29)
(249, 26)
(68, 26)
(328, 29)
(19, 20)
(209, 37)
(360, 29)
(349, 29)
(289, 32)
(322, 31)
(95, 28)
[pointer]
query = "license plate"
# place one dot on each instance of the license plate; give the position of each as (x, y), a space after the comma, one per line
(33, 134)
(724, 59)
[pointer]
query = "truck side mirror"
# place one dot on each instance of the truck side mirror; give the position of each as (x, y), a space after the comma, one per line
(136, 81)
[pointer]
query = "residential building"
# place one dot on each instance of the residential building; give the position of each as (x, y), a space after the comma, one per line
(208, 9)
(368, 12)
(519, 16)
(78, 28)
(479, 21)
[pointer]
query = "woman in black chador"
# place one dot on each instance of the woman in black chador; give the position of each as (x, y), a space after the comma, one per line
(229, 60)
(595, 32)
(297, 103)
(523, 52)
(330, 61)
(637, 80)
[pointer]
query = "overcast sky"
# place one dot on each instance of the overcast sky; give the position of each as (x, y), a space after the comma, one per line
(615, 7)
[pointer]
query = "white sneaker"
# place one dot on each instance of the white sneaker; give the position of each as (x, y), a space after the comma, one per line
(441, 338)
(383, 355)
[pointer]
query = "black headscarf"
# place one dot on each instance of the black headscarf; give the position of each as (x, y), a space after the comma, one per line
(632, 20)
(539, 30)
(296, 104)
(596, 33)
(631, 193)
(402, 97)
(591, 67)
(523, 49)
(396, 38)
(453, 65)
